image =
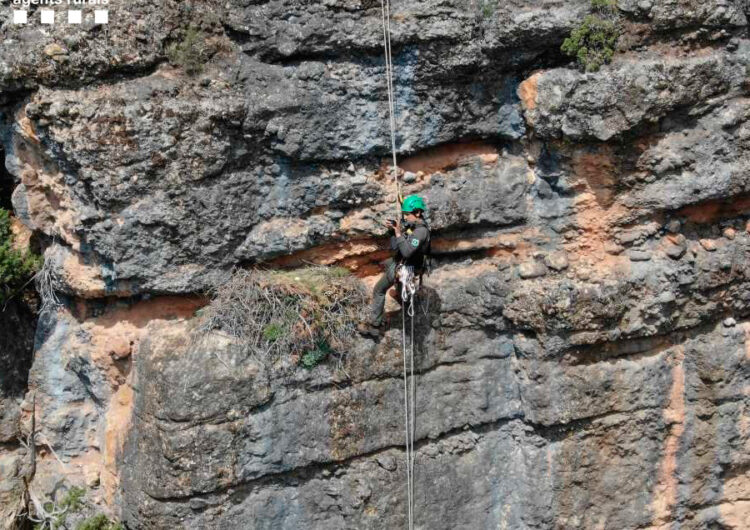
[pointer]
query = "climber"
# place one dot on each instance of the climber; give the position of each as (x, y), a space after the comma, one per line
(411, 243)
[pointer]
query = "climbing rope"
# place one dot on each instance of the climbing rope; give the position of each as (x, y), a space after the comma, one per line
(386, 11)
(406, 277)
(407, 425)
(411, 289)
(413, 395)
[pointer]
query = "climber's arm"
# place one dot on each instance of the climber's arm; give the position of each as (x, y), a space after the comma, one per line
(408, 244)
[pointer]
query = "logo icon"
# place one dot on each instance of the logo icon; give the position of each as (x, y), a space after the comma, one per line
(19, 16)
(47, 16)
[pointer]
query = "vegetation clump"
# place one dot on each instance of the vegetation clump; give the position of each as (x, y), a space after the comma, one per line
(593, 42)
(310, 313)
(488, 8)
(52, 515)
(73, 500)
(16, 266)
(313, 358)
(99, 522)
(191, 53)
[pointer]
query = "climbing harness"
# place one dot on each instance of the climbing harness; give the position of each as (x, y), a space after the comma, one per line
(406, 277)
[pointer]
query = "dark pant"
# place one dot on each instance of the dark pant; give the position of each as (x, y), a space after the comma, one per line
(381, 288)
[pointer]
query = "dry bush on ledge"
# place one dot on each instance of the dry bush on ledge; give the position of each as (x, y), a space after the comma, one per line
(310, 312)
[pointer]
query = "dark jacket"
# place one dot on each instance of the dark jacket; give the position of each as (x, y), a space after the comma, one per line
(413, 245)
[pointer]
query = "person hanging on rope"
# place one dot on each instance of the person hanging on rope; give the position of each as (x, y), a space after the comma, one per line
(411, 243)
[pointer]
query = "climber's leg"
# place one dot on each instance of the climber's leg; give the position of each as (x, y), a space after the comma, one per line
(378, 294)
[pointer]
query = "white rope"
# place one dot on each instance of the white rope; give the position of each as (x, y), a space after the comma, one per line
(407, 423)
(413, 395)
(386, 12)
(407, 282)
(405, 275)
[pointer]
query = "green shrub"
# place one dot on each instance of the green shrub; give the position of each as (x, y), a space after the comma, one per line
(73, 500)
(16, 267)
(593, 42)
(338, 272)
(604, 6)
(273, 332)
(488, 8)
(55, 513)
(99, 522)
(191, 53)
(313, 358)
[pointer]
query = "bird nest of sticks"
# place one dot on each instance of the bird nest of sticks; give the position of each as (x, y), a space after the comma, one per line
(310, 313)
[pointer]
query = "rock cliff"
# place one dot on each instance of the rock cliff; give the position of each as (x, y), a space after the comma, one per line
(582, 345)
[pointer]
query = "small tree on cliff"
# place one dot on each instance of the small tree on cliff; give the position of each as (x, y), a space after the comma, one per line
(593, 42)
(16, 266)
(190, 53)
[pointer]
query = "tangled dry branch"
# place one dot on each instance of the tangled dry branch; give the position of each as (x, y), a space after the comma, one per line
(310, 312)
(47, 287)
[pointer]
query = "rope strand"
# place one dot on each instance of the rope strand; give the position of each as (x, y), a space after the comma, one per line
(405, 275)
(386, 12)
(407, 424)
(409, 383)
(412, 393)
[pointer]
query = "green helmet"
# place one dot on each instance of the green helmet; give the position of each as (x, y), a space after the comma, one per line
(413, 202)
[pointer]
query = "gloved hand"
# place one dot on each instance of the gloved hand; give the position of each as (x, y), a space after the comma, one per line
(394, 225)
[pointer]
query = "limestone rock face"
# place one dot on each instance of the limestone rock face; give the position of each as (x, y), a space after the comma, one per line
(581, 344)
(17, 340)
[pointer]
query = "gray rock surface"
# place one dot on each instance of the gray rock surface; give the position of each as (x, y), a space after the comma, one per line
(616, 100)
(17, 337)
(581, 346)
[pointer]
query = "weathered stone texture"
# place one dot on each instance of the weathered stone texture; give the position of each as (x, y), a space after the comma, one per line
(581, 347)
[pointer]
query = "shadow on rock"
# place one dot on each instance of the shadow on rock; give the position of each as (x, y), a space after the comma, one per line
(427, 306)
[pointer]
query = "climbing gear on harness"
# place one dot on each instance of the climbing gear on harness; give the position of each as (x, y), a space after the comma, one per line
(405, 275)
(413, 202)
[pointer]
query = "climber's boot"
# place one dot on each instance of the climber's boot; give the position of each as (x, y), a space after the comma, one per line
(368, 329)
(395, 294)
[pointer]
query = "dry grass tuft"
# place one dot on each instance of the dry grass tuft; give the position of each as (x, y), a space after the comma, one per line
(310, 313)
(47, 285)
